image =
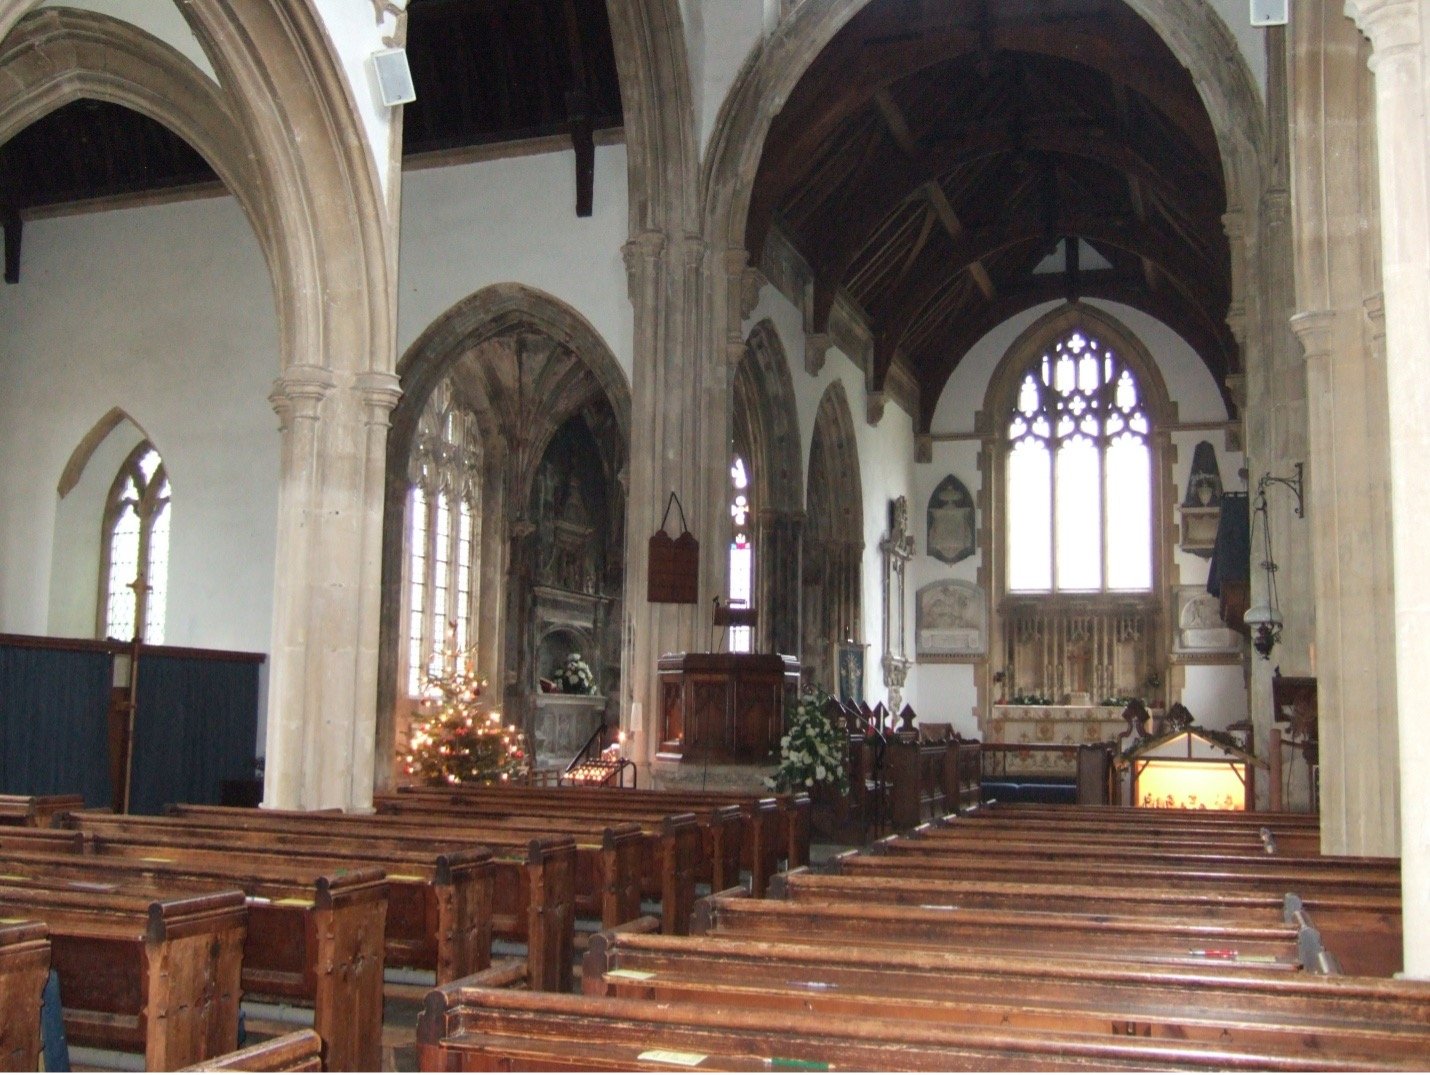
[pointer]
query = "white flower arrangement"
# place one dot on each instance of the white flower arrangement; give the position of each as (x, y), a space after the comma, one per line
(574, 677)
(812, 750)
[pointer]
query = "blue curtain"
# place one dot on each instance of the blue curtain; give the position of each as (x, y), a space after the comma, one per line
(54, 727)
(196, 726)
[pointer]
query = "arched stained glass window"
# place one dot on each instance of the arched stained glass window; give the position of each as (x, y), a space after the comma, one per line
(135, 566)
(1079, 495)
(443, 508)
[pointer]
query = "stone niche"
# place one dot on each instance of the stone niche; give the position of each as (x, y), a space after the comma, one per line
(564, 623)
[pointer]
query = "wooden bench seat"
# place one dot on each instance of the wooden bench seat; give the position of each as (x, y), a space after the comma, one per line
(612, 860)
(1098, 936)
(778, 823)
(439, 905)
(302, 1050)
(314, 940)
(475, 1028)
(534, 879)
(36, 811)
(722, 829)
(1270, 831)
(779, 978)
(140, 974)
(24, 967)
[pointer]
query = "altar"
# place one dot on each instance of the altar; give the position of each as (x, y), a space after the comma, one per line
(1052, 734)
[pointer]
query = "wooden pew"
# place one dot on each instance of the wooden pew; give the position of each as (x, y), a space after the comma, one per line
(1274, 833)
(302, 1050)
(36, 811)
(159, 976)
(439, 908)
(477, 1028)
(789, 840)
(312, 939)
(24, 966)
(1353, 1019)
(1094, 936)
(610, 859)
(534, 879)
(722, 828)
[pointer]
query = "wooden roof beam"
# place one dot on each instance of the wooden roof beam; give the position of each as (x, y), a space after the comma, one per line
(951, 224)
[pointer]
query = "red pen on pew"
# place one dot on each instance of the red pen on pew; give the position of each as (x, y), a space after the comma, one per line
(1214, 953)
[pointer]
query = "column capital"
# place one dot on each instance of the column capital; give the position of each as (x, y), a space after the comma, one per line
(642, 253)
(299, 391)
(1392, 26)
(1374, 307)
(380, 392)
(1313, 328)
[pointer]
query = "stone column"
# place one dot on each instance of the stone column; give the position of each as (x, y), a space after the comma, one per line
(1348, 497)
(491, 581)
(679, 443)
(1397, 33)
(323, 683)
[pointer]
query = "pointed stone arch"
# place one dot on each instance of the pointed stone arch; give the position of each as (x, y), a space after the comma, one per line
(85, 449)
(325, 227)
(570, 371)
(766, 425)
(833, 539)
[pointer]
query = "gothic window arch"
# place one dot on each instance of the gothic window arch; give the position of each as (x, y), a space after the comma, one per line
(440, 551)
(1077, 434)
(134, 549)
(1079, 473)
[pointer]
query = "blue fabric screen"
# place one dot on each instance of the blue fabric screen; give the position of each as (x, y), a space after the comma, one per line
(54, 727)
(197, 725)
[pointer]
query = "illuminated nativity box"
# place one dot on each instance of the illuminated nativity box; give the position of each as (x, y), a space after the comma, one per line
(1190, 769)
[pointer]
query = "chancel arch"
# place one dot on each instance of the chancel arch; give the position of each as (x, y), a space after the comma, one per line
(547, 409)
(833, 547)
(766, 437)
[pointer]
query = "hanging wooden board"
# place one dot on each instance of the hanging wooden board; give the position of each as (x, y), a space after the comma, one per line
(673, 572)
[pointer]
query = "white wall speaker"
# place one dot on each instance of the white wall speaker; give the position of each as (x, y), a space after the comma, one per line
(394, 77)
(1269, 12)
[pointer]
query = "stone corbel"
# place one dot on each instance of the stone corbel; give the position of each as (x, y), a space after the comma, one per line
(874, 407)
(923, 448)
(816, 348)
(642, 255)
(1313, 329)
(299, 391)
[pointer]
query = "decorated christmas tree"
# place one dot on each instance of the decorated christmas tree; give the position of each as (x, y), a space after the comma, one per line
(456, 739)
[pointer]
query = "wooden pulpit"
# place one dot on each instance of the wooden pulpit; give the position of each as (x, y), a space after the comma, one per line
(724, 708)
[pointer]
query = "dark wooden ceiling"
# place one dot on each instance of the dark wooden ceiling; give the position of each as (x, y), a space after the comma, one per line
(938, 151)
(485, 71)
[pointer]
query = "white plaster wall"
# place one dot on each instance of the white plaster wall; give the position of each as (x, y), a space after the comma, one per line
(514, 220)
(949, 691)
(161, 18)
(731, 29)
(76, 559)
(356, 34)
(166, 312)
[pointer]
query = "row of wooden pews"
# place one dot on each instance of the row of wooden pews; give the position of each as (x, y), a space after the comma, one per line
(995, 941)
(327, 901)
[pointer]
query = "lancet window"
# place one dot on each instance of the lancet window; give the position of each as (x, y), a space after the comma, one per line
(135, 563)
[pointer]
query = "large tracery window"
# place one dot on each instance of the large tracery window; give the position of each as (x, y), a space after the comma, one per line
(136, 549)
(443, 503)
(1079, 474)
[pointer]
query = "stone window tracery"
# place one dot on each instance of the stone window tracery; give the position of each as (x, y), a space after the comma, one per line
(135, 562)
(443, 510)
(1079, 474)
